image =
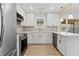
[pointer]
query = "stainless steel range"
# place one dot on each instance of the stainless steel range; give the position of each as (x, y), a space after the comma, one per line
(22, 43)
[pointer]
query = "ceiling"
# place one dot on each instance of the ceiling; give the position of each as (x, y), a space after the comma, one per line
(75, 8)
(42, 7)
(48, 7)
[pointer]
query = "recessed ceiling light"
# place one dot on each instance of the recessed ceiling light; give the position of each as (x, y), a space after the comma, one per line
(51, 8)
(31, 7)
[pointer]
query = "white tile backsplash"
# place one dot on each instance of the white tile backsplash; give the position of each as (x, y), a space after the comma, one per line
(19, 28)
(49, 28)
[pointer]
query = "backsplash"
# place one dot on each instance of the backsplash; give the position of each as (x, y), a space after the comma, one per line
(19, 28)
(31, 28)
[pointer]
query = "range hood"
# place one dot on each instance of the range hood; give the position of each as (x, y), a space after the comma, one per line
(19, 17)
(40, 21)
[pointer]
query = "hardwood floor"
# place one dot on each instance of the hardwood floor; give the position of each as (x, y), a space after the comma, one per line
(41, 50)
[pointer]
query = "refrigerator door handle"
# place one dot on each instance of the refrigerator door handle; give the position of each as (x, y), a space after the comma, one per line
(0, 23)
(1, 27)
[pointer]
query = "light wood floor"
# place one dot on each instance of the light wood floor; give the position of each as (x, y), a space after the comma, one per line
(41, 50)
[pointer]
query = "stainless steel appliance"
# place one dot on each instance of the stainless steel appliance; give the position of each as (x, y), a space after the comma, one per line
(7, 29)
(19, 17)
(22, 43)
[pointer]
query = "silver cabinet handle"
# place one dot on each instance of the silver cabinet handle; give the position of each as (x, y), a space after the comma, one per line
(0, 23)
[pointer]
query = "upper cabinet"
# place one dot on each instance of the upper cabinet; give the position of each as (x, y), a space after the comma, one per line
(19, 18)
(29, 21)
(38, 19)
(52, 19)
(22, 13)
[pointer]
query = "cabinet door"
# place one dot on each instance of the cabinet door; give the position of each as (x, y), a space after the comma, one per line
(40, 38)
(59, 43)
(62, 44)
(52, 19)
(64, 47)
(29, 19)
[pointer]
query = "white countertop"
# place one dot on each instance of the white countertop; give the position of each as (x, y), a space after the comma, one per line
(67, 33)
(61, 33)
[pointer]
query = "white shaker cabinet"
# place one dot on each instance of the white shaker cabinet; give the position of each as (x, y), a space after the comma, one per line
(39, 38)
(61, 44)
(52, 19)
(22, 13)
(29, 21)
(68, 45)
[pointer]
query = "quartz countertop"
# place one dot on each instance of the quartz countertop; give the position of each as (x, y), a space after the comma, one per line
(67, 33)
(61, 33)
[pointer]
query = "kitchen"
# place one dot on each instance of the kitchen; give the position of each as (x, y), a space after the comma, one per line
(47, 29)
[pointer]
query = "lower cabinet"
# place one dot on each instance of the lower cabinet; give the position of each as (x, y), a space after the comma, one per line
(68, 45)
(54, 40)
(61, 44)
(39, 38)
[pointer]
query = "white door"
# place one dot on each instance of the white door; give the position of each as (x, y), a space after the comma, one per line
(40, 38)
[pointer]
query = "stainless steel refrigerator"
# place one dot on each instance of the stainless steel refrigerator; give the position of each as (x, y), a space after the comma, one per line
(7, 29)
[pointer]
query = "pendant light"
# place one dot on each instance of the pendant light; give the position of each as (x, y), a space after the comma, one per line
(61, 20)
(70, 16)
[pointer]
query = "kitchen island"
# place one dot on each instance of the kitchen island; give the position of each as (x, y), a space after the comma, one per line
(68, 43)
